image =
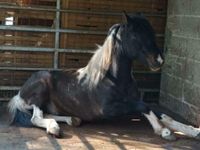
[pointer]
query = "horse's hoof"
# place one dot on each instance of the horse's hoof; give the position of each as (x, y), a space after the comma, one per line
(76, 121)
(53, 129)
(198, 136)
(168, 135)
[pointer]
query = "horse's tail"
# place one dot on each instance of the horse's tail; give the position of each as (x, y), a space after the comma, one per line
(19, 111)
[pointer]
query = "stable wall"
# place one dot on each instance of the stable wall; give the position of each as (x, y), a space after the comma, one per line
(180, 83)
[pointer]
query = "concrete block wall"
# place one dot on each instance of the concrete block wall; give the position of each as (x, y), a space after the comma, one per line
(180, 82)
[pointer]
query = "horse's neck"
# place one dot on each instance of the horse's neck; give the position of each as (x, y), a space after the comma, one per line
(120, 70)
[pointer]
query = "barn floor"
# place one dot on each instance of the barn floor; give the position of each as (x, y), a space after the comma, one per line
(135, 135)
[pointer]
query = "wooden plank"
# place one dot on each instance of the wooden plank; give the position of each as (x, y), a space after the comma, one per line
(156, 6)
(88, 22)
(21, 38)
(36, 2)
(149, 81)
(101, 23)
(13, 78)
(83, 21)
(71, 60)
(35, 14)
(83, 41)
(27, 14)
(26, 59)
(46, 0)
(26, 39)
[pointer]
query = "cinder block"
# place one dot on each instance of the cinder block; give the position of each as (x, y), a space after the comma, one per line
(178, 7)
(174, 66)
(183, 7)
(177, 46)
(172, 86)
(188, 112)
(192, 71)
(191, 93)
(180, 81)
(193, 49)
(184, 26)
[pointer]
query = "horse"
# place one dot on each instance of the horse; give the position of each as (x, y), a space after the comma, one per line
(104, 89)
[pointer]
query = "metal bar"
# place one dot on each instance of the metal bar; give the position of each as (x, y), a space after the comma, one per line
(18, 87)
(52, 69)
(4, 99)
(36, 29)
(12, 88)
(26, 28)
(38, 49)
(75, 11)
(19, 48)
(90, 51)
(57, 35)
(27, 69)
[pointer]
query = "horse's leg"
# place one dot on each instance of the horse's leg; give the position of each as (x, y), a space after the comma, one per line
(50, 125)
(171, 124)
(158, 128)
(177, 126)
(72, 121)
(135, 107)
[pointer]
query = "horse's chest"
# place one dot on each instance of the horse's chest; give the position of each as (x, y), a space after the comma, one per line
(116, 101)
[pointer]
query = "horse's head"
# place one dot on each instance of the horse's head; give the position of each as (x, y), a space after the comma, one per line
(138, 41)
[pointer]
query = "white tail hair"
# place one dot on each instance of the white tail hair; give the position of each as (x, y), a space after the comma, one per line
(99, 64)
(17, 103)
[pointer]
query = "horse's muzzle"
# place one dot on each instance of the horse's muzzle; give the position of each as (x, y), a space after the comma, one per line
(155, 64)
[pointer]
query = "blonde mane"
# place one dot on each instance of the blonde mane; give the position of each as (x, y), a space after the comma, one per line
(98, 65)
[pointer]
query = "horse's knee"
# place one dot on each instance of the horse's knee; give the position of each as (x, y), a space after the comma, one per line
(76, 121)
(38, 120)
(142, 107)
(73, 121)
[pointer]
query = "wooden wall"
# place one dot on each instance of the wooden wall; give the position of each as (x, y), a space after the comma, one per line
(77, 15)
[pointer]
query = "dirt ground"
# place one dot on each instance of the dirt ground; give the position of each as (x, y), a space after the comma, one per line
(132, 135)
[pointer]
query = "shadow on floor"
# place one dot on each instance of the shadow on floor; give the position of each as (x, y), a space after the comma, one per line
(102, 135)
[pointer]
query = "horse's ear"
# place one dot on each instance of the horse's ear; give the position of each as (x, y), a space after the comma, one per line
(126, 17)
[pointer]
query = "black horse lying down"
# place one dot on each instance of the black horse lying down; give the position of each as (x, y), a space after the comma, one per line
(104, 89)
